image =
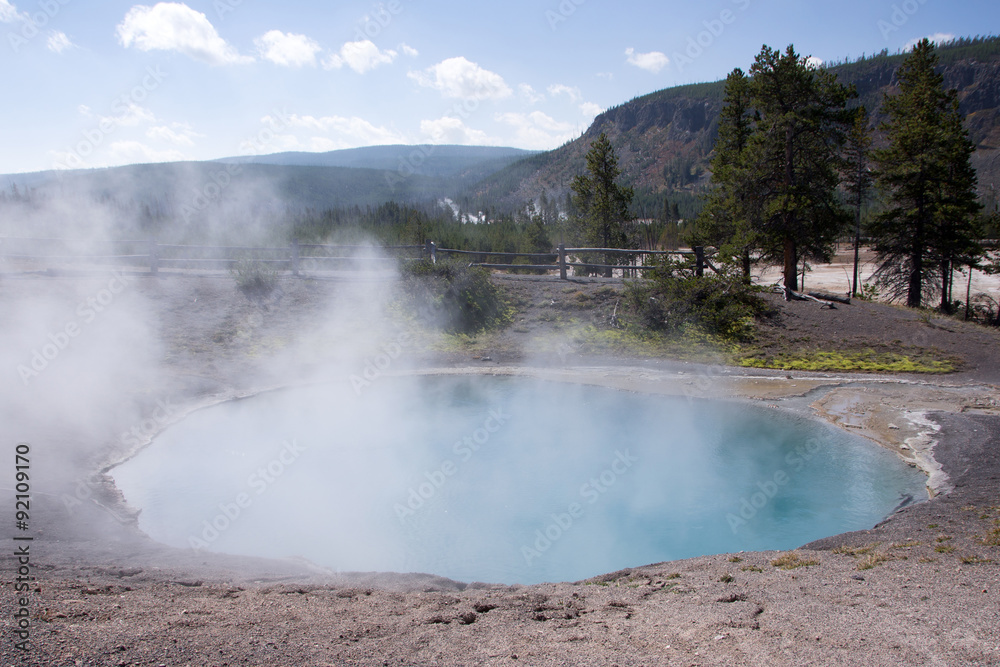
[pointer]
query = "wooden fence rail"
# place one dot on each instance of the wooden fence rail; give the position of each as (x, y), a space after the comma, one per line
(318, 256)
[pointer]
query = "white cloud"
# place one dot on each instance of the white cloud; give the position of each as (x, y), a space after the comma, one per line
(590, 109)
(813, 62)
(936, 38)
(653, 61)
(8, 12)
(605, 75)
(133, 152)
(287, 49)
(537, 130)
(173, 26)
(409, 50)
(353, 131)
(450, 130)
(277, 143)
(67, 160)
(59, 42)
(179, 134)
(360, 56)
(132, 116)
(557, 89)
(84, 111)
(529, 94)
(462, 79)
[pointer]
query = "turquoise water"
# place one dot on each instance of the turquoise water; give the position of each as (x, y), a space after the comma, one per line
(503, 479)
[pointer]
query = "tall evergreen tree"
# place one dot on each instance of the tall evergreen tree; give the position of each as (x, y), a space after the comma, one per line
(601, 203)
(794, 153)
(927, 177)
(857, 177)
(732, 210)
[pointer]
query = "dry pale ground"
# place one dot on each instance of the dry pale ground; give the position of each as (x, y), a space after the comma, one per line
(923, 587)
(837, 276)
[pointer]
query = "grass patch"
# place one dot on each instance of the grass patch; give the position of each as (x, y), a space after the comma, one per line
(944, 548)
(873, 560)
(904, 545)
(673, 575)
(992, 538)
(687, 344)
(856, 551)
(735, 559)
(751, 568)
(974, 560)
(792, 560)
(869, 360)
(726, 578)
(867, 554)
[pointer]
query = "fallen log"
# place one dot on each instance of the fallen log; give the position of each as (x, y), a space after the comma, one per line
(831, 297)
(799, 296)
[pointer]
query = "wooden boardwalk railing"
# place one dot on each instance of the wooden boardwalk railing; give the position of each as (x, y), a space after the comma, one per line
(299, 257)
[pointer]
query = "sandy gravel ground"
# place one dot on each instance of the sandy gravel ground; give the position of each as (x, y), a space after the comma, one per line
(922, 587)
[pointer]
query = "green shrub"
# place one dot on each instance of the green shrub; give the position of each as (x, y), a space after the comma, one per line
(254, 277)
(455, 297)
(673, 297)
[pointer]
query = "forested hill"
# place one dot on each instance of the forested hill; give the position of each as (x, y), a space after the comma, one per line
(664, 139)
(466, 164)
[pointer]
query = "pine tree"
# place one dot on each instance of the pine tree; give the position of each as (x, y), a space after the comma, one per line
(732, 210)
(927, 177)
(793, 153)
(602, 205)
(857, 177)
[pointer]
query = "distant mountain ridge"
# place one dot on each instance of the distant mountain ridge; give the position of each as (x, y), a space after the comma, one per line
(664, 139)
(241, 188)
(436, 160)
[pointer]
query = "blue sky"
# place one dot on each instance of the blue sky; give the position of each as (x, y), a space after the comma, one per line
(100, 82)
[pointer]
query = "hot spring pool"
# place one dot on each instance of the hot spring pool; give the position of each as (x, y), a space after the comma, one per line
(506, 480)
